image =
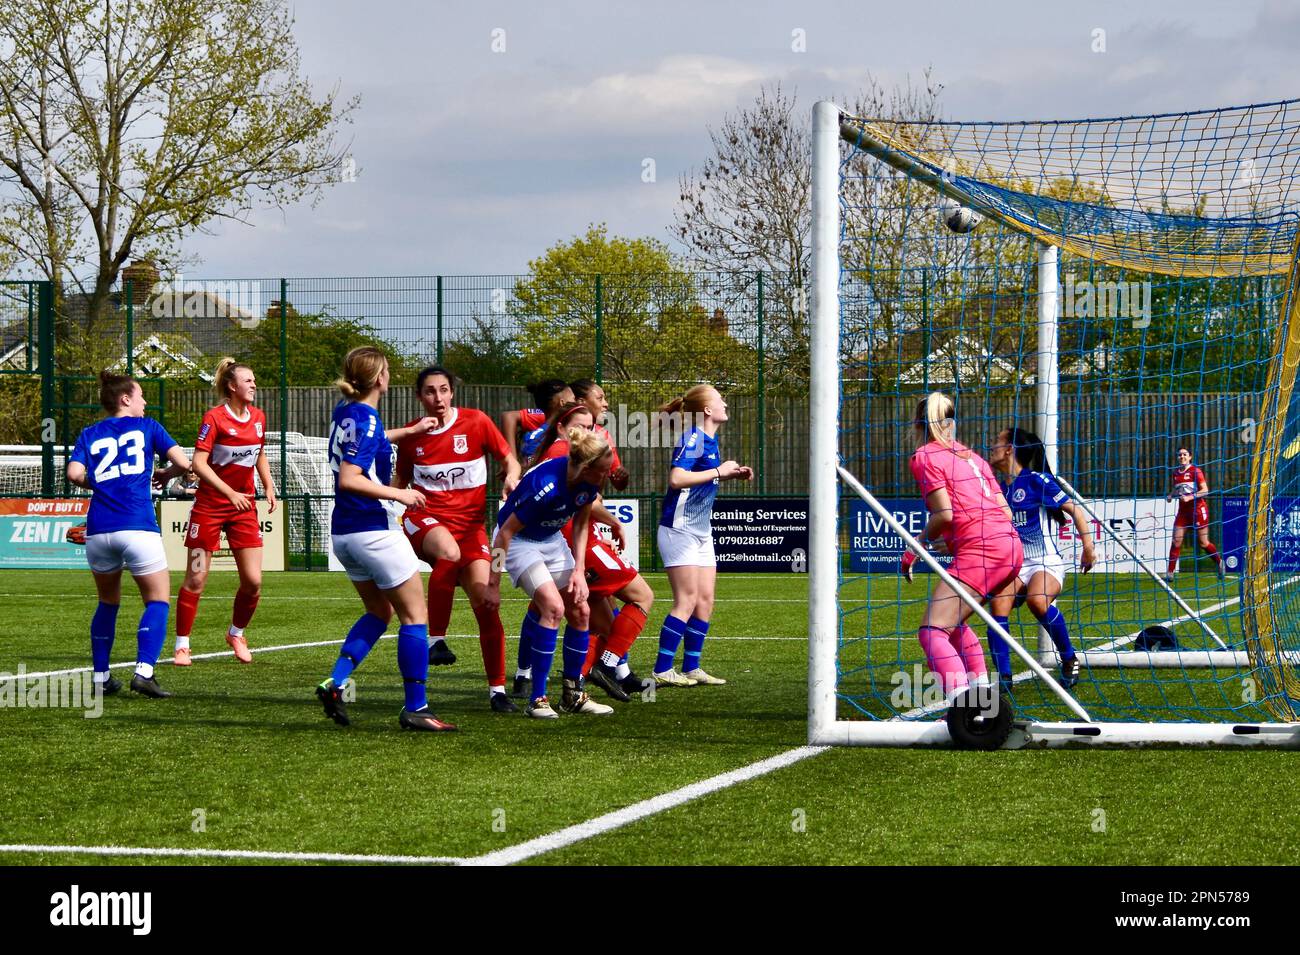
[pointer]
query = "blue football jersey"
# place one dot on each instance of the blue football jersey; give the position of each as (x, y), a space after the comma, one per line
(691, 508)
(357, 437)
(1030, 496)
(118, 454)
(544, 502)
(532, 440)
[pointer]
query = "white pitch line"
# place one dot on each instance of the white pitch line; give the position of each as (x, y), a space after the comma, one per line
(352, 598)
(197, 656)
(217, 654)
(235, 854)
(641, 810)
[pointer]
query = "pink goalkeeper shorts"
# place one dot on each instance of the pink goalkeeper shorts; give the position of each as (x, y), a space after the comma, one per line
(988, 565)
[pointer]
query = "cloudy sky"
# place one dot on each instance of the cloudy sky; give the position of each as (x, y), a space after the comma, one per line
(474, 161)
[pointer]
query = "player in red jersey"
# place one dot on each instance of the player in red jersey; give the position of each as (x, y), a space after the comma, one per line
(608, 575)
(229, 447)
(1191, 489)
(523, 429)
(593, 396)
(449, 464)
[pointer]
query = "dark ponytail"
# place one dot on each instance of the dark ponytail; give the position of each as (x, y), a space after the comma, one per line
(545, 390)
(1032, 456)
(1029, 451)
(112, 389)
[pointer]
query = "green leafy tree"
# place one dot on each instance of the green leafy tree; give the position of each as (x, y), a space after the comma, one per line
(125, 127)
(317, 345)
(486, 354)
(656, 334)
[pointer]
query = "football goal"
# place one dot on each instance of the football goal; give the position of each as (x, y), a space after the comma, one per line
(1121, 295)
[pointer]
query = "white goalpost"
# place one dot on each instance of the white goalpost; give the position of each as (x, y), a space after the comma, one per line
(834, 485)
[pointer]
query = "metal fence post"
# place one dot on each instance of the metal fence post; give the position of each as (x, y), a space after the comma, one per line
(284, 384)
(439, 362)
(306, 504)
(130, 330)
(925, 325)
(45, 358)
(33, 294)
(762, 397)
(600, 332)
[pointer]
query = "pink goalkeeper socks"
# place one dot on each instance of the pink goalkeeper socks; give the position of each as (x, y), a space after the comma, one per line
(943, 658)
(972, 653)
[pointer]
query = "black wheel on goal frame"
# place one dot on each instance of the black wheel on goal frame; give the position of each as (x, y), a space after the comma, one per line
(980, 718)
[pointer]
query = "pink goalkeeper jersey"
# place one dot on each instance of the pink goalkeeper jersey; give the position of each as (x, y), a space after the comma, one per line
(977, 513)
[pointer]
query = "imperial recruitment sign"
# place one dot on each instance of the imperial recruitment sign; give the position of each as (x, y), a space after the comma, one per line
(1144, 524)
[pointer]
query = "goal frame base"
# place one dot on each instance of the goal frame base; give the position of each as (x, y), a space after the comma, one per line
(1056, 735)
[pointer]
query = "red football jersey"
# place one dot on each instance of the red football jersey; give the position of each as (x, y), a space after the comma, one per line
(233, 447)
(1187, 480)
(450, 467)
(530, 419)
(560, 447)
(609, 439)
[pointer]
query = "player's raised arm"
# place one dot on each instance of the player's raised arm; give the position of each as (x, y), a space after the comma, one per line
(510, 428)
(1088, 559)
(179, 465)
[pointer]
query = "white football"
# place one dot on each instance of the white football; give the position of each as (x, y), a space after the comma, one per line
(956, 217)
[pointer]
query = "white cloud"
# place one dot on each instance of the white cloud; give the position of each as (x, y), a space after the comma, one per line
(678, 90)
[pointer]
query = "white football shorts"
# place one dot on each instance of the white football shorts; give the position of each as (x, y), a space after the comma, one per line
(681, 548)
(141, 552)
(1057, 565)
(382, 556)
(532, 563)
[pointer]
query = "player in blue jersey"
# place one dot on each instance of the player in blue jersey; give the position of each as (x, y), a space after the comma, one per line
(114, 459)
(540, 562)
(1037, 504)
(686, 533)
(367, 541)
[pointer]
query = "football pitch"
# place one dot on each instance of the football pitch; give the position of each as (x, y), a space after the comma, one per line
(241, 766)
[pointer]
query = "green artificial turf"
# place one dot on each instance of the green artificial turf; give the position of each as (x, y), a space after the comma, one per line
(248, 747)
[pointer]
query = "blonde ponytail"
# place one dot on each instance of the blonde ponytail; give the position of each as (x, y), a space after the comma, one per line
(693, 402)
(225, 375)
(361, 370)
(934, 421)
(586, 447)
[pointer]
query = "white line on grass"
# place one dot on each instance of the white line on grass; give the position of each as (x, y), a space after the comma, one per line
(525, 850)
(234, 854)
(5, 677)
(641, 810)
(271, 598)
(518, 853)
